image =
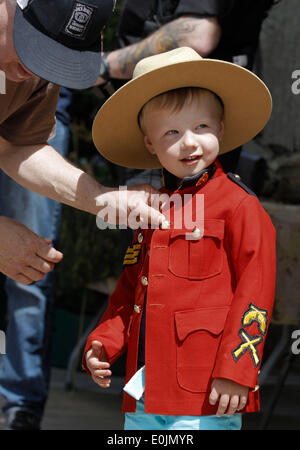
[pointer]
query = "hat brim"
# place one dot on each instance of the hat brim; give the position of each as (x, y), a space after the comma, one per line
(247, 108)
(51, 60)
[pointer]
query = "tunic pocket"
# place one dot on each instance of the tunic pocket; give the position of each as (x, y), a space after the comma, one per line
(197, 258)
(198, 335)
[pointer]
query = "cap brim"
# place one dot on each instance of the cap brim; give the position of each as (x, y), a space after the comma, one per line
(53, 61)
(247, 108)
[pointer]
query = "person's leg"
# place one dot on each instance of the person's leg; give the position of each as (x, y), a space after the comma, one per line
(25, 368)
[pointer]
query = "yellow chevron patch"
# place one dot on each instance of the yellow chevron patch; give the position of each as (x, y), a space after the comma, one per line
(248, 343)
(132, 254)
(258, 315)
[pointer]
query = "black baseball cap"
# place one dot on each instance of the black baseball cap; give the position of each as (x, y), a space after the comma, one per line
(60, 40)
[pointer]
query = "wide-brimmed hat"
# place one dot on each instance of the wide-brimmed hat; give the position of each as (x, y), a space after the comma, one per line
(60, 40)
(247, 103)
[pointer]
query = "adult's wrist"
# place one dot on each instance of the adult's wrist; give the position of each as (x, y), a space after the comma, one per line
(104, 67)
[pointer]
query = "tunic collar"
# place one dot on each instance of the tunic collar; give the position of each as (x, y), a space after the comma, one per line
(198, 180)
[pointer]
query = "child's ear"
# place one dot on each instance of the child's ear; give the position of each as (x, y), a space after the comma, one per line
(149, 145)
(221, 132)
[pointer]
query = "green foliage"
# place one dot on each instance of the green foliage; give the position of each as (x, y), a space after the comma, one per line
(90, 254)
(109, 32)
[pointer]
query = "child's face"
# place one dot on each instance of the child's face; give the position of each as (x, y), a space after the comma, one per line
(185, 141)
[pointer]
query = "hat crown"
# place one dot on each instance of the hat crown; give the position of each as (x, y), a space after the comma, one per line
(178, 55)
(247, 103)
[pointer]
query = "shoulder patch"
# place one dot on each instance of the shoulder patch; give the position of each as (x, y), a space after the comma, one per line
(237, 180)
(132, 255)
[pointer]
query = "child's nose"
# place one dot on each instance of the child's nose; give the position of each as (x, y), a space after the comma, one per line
(189, 140)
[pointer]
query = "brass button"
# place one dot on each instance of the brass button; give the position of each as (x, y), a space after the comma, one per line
(236, 175)
(140, 238)
(144, 281)
(165, 225)
(137, 308)
(196, 233)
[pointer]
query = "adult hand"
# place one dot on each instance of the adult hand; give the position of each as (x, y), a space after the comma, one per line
(24, 256)
(135, 207)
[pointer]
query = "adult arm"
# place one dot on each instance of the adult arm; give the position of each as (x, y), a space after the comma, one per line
(27, 257)
(43, 170)
(200, 33)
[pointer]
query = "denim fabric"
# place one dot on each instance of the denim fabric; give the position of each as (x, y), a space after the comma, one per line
(145, 421)
(25, 368)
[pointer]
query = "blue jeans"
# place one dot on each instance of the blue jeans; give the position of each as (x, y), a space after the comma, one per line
(140, 420)
(25, 368)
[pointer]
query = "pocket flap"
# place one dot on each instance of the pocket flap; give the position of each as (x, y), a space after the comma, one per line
(210, 319)
(212, 227)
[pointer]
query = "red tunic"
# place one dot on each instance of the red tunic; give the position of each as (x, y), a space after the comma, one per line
(209, 302)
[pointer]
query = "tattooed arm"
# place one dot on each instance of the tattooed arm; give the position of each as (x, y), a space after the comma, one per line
(202, 34)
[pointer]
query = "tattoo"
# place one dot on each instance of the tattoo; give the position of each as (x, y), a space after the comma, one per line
(169, 36)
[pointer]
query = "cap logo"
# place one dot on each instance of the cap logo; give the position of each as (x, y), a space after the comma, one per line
(80, 20)
(22, 3)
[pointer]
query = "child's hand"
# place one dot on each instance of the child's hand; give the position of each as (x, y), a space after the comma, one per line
(97, 363)
(231, 395)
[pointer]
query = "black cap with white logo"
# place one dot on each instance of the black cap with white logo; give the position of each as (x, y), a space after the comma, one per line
(60, 40)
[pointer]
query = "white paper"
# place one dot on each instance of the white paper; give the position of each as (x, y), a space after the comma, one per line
(136, 385)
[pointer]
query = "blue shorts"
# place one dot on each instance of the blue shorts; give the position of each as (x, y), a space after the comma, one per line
(140, 420)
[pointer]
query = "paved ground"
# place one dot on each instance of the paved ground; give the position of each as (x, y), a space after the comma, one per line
(86, 407)
(89, 408)
(83, 408)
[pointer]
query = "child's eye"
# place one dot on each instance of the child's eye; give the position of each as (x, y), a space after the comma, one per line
(170, 132)
(201, 126)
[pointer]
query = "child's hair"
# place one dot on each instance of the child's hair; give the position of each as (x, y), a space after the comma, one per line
(175, 99)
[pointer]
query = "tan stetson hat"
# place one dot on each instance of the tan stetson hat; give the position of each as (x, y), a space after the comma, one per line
(247, 103)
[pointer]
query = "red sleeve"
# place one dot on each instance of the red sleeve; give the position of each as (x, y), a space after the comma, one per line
(112, 329)
(251, 241)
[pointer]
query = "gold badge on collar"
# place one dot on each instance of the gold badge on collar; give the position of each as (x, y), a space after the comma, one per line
(202, 180)
(132, 254)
